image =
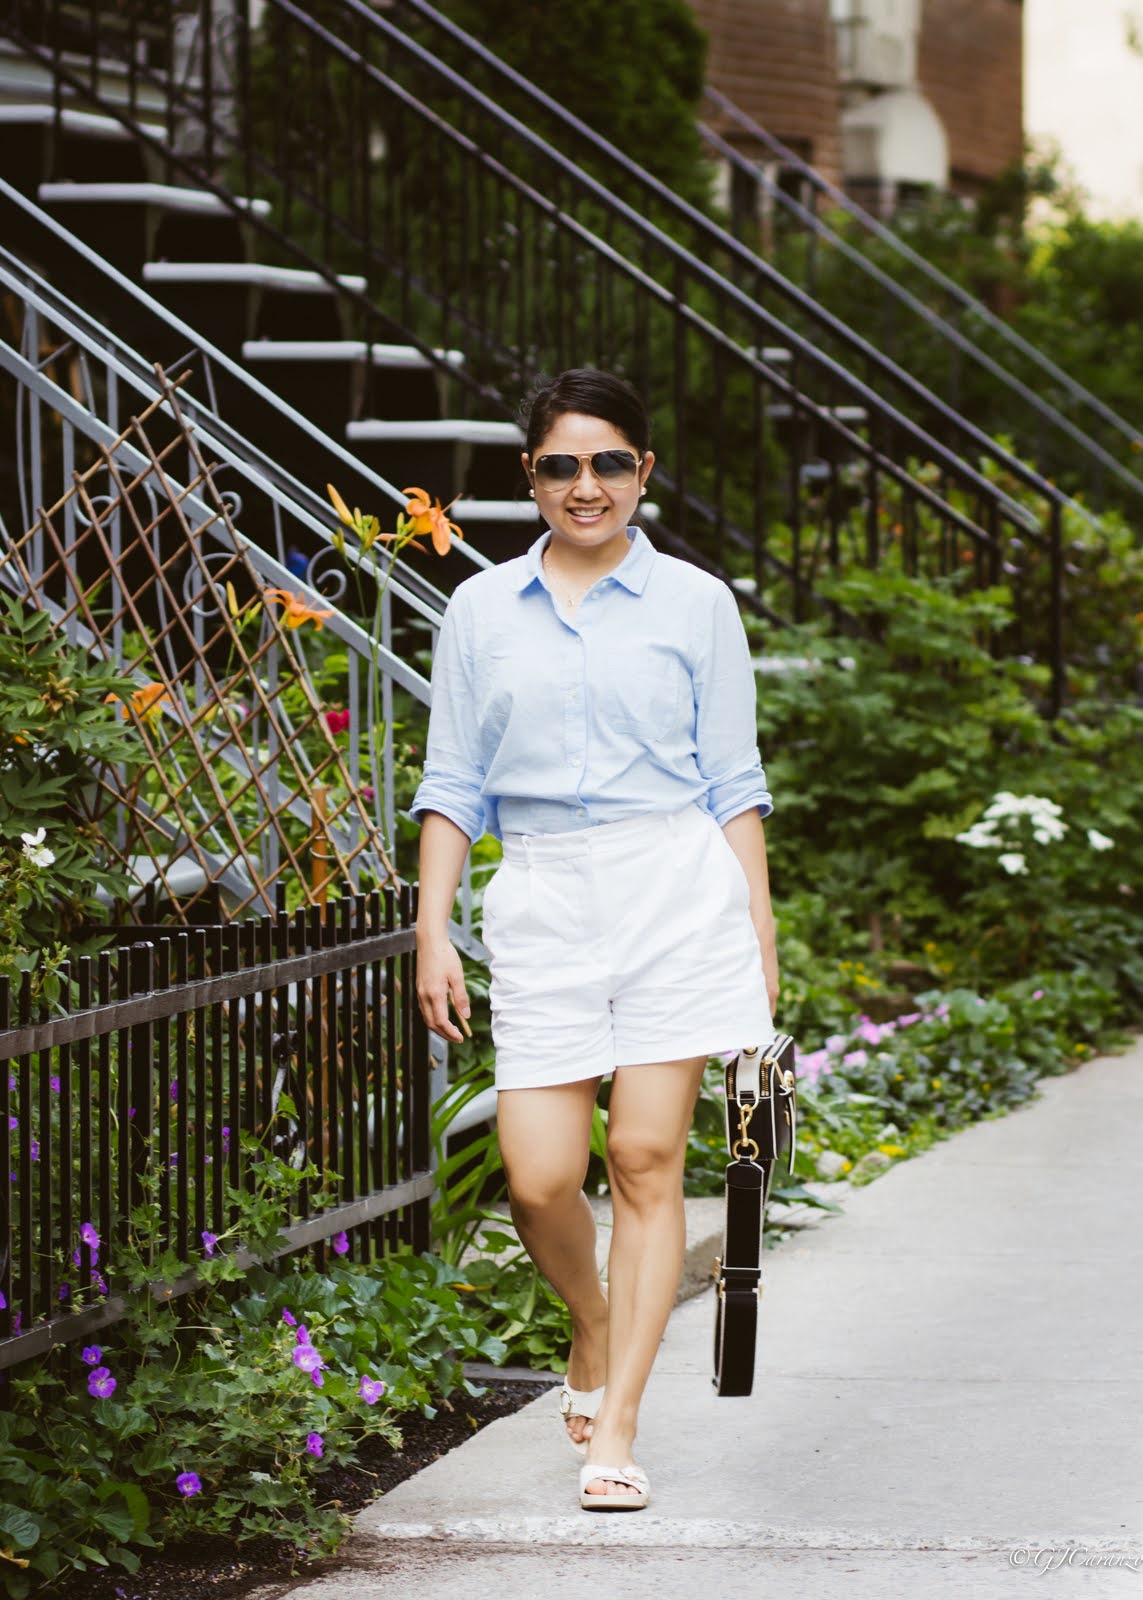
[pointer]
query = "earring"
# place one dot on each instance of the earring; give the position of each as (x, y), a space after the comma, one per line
(532, 493)
(642, 491)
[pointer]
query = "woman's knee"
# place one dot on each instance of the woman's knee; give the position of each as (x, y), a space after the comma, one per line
(641, 1165)
(536, 1186)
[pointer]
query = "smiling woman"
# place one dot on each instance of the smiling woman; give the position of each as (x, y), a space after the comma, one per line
(593, 705)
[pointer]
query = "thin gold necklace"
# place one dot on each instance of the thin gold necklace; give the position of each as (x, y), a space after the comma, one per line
(565, 596)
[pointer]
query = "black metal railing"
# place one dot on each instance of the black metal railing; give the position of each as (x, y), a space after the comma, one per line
(473, 228)
(171, 1066)
(843, 254)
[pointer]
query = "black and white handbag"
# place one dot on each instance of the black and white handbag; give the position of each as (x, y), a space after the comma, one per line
(761, 1126)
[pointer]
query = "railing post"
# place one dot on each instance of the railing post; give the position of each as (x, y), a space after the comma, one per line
(1056, 608)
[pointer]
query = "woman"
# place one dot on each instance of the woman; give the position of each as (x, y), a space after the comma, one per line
(593, 705)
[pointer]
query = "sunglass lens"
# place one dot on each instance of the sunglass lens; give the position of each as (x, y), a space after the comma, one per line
(556, 472)
(614, 466)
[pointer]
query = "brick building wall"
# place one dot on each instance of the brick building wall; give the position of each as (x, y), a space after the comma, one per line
(777, 60)
(969, 62)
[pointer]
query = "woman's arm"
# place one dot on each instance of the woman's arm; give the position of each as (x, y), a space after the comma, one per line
(746, 838)
(440, 976)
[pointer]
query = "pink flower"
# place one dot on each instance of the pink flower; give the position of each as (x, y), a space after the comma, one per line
(908, 1021)
(872, 1033)
(1038, 995)
(289, 1318)
(337, 721)
(340, 1243)
(315, 1445)
(856, 1058)
(88, 1236)
(371, 1390)
(836, 1042)
(813, 1064)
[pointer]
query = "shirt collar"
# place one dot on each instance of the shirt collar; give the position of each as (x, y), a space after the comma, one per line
(632, 572)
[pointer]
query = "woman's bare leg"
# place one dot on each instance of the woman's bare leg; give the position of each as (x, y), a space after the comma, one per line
(545, 1137)
(650, 1112)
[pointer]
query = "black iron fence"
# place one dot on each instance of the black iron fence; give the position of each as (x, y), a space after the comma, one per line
(173, 1069)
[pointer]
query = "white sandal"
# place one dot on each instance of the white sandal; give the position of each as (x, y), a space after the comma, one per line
(630, 1476)
(579, 1403)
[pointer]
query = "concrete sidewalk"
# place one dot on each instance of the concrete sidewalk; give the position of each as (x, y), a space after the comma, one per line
(948, 1403)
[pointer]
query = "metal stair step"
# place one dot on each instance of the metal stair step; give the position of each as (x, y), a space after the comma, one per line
(399, 357)
(469, 509)
(163, 196)
(88, 123)
(781, 412)
(255, 274)
(449, 430)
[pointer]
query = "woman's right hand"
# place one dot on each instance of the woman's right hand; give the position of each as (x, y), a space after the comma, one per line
(440, 978)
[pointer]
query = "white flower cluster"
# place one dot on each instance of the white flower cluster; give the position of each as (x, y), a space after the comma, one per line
(1045, 817)
(35, 849)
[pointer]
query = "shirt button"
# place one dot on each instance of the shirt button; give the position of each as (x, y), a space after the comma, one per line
(581, 811)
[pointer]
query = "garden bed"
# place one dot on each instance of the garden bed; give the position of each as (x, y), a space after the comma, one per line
(225, 1570)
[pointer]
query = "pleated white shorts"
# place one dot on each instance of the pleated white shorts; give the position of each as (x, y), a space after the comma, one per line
(619, 945)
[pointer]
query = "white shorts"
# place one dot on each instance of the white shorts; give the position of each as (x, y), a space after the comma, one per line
(621, 944)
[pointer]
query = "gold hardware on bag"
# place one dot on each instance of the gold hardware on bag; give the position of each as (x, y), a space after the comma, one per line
(744, 1142)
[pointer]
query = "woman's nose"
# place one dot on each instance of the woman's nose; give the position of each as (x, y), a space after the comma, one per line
(585, 483)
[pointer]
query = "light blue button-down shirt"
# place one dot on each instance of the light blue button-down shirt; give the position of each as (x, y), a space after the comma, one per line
(642, 702)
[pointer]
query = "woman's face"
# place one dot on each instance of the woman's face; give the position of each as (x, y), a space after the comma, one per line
(589, 512)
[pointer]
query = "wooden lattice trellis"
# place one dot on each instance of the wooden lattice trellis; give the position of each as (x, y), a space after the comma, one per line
(243, 780)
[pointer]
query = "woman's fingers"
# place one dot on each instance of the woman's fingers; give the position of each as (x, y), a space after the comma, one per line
(439, 980)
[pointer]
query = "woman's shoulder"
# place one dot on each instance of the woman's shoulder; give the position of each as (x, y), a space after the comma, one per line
(683, 579)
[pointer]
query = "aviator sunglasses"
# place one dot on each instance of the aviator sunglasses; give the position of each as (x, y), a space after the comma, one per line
(614, 468)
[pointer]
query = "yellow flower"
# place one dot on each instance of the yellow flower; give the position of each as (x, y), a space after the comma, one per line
(891, 1149)
(296, 610)
(429, 517)
(367, 529)
(936, 1083)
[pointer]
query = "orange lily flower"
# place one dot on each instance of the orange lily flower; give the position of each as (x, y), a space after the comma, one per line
(147, 703)
(429, 517)
(296, 610)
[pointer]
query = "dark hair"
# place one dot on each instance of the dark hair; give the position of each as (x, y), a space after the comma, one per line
(592, 394)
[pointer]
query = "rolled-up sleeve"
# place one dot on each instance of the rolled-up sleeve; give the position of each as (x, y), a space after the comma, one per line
(453, 778)
(726, 730)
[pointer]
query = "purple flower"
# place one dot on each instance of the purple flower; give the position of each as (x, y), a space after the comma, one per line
(188, 1483)
(289, 1318)
(303, 1335)
(92, 1354)
(54, 1084)
(99, 1281)
(65, 1290)
(35, 1150)
(836, 1042)
(908, 1020)
(174, 1096)
(75, 1259)
(13, 1124)
(3, 1302)
(130, 1112)
(225, 1140)
(371, 1390)
(315, 1445)
(341, 1243)
(88, 1236)
(856, 1058)
(101, 1384)
(308, 1359)
(1038, 995)
(209, 1240)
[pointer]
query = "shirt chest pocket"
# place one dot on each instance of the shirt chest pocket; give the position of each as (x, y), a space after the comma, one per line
(643, 690)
